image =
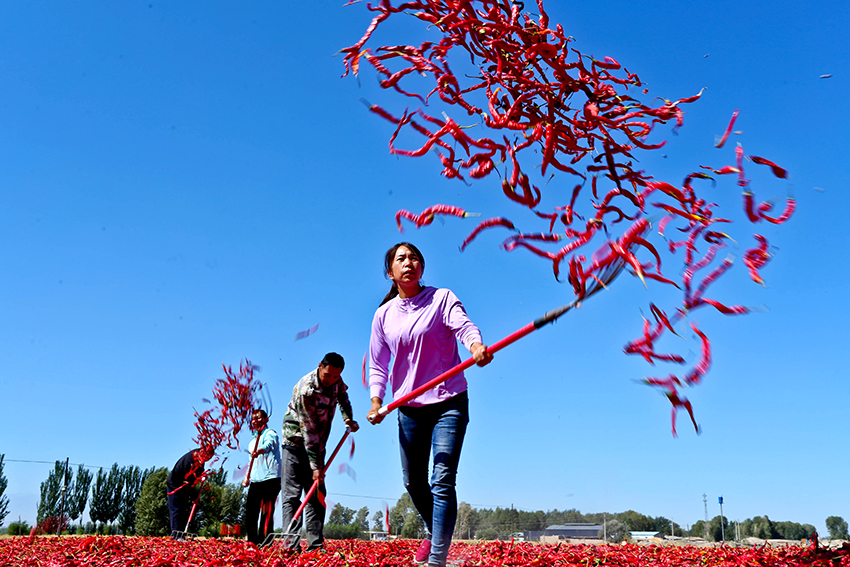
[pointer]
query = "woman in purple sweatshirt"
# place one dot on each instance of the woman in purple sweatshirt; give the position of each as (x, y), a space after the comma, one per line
(414, 339)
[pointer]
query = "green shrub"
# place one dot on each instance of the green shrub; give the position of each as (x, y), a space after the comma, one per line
(152, 506)
(19, 528)
(347, 531)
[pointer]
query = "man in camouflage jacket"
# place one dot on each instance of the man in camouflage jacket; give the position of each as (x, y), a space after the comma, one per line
(306, 428)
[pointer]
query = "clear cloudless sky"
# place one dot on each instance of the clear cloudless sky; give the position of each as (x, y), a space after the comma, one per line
(186, 184)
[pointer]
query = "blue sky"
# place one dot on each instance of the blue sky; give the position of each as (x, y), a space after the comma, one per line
(190, 184)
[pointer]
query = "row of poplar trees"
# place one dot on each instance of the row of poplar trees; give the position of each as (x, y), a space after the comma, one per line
(65, 494)
(131, 501)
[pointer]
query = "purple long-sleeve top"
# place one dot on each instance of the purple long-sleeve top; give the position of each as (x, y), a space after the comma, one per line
(419, 335)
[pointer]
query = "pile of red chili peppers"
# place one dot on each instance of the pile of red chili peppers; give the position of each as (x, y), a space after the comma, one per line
(533, 94)
(96, 551)
(235, 398)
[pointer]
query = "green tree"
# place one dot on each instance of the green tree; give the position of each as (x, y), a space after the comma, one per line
(152, 506)
(715, 532)
(378, 521)
(51, 492)
(98, 507)
(636, 522)
(78, 493)
(414, 527)
(219, 503)
(133, 478)
(662, 524)
(465, 518)
(793, 530)
(615, 531)
(362, 518)
(340, 515)
(837, 527)
(337, 531)
(487, 525)
(572, 516)
(18, 528)
(809, 530)
(233, 499)
(405, 520)
(510, 520)
(497, 524)
(4, 500)
(106, 495)
(532, 521)
(763, 527)
(116, 483)
(698, 529)
(341, 523)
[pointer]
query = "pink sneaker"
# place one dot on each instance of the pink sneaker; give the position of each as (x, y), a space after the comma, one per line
(423, 552)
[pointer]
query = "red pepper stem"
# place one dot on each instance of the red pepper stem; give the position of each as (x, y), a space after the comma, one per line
(316, 482)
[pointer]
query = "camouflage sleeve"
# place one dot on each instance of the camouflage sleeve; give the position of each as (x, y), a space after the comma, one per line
(344, 402)
(311, 430)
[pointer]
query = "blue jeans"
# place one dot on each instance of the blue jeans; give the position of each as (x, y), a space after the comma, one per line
(440, 427)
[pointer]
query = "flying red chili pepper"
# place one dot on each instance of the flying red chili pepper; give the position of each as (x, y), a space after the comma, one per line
(777, 171)
(756, 258)
(498, 221)
(427, 216)
(723, 139)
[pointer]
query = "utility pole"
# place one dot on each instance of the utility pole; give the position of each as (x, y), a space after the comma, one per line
(604, 527)
(722, 531)
(62, 506)
(705, 505)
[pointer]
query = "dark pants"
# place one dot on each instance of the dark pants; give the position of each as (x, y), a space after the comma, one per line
(260, 505)
(297, 477)
(439, 428)
(179, 505)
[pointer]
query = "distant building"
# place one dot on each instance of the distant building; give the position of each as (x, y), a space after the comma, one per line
(567, 531)
(645, 535)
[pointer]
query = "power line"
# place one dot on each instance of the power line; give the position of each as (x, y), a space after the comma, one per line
(52, 463)
(362, 496)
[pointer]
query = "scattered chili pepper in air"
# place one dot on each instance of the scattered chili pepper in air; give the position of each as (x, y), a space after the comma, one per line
(427, 216)
(728, 131)
(777, 171)
(236, 397)
(306, 333)
(537, 98)
(756, 258)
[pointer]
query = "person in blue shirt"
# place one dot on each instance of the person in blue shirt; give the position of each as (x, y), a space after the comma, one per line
(263, 481)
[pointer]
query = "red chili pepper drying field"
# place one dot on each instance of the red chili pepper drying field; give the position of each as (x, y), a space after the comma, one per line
(95, 551)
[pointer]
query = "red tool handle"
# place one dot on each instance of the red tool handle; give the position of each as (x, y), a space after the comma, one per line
(251, 462)
(614, 269)
(316, 482)
(495, 347)
(195, 504)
